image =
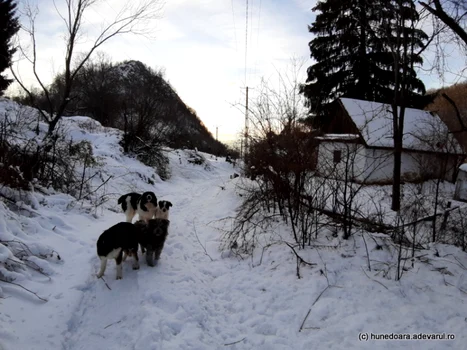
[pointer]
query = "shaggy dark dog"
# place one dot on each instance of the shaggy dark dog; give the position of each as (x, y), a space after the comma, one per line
(145, 205)
(162, 211)
(113, 242)
(152, 237)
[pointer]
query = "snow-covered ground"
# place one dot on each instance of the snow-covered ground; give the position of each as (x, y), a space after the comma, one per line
(199, 297)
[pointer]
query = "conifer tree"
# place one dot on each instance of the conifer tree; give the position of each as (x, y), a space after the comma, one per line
(354, 52)
(9, 26)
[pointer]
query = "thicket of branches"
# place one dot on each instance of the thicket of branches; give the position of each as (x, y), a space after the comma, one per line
(280, 159)
(27, 163)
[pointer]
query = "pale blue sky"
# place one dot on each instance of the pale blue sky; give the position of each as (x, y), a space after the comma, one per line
(201, 46)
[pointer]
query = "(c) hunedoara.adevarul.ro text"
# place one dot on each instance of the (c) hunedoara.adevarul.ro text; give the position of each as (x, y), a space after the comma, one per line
(405, 336)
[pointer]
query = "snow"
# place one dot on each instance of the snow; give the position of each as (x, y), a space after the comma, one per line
(330, 137)
(423, 131)
(200, 297)
(461, 184)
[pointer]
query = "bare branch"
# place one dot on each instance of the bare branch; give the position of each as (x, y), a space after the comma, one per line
(28, 290)
(452, 22)
(236, 342)
(309, 311)
(132, 15)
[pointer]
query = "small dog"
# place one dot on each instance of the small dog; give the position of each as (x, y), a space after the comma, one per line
(162, 211)
(152, 238)
(145, 205)
(113, 242)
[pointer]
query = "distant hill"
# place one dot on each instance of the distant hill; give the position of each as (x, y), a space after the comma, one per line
(138, 100)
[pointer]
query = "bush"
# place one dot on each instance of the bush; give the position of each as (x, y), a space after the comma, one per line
(54, 162)
(149, 153)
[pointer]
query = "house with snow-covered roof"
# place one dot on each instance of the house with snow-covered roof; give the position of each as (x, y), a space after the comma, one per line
(358, 144)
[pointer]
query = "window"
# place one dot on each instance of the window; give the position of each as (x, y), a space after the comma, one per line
(337, 156)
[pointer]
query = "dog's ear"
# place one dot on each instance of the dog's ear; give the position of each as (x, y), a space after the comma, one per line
(169, 204)
(161, 204)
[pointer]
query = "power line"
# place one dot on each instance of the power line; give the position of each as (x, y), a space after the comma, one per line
(250, 72)
(246, 39)
(257, 38)
(235, 27)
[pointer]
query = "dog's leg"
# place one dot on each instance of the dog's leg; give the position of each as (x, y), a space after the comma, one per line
(130, 214)
(158, 252)
(129, 217)
(136, 262)
(118, 260)
(103, 266)
(149, 256)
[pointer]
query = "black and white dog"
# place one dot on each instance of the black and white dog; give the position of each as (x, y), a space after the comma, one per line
(162, 211)
(152, 238)
(113, 242)
(145, 205)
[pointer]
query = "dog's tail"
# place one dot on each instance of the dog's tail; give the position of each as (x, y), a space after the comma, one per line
(121, 199)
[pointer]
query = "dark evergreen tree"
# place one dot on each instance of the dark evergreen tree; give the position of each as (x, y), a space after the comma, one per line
(9, 26)
(354, 48)
(402, 44)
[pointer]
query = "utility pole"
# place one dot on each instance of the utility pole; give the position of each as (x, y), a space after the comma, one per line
(217, 130)
(241, 148)
(246, 124)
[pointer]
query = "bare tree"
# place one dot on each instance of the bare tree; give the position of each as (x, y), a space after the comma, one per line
(280, 163)
(450, 18)
(453, 13)
(127, 20)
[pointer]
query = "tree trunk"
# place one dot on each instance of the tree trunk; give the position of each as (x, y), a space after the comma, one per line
(396, 184)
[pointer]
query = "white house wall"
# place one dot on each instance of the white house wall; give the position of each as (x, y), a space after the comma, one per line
(380, 165)
(352, 162)
(377, 165)
(460, 193)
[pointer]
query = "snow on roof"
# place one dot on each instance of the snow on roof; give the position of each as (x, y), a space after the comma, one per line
(423, 131)
(328, 137)
(463, 167)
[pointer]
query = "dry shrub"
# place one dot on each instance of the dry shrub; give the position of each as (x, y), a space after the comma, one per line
(51, 162)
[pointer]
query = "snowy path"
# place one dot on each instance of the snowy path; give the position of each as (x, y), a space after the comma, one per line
(185, 296)
(188, 301)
